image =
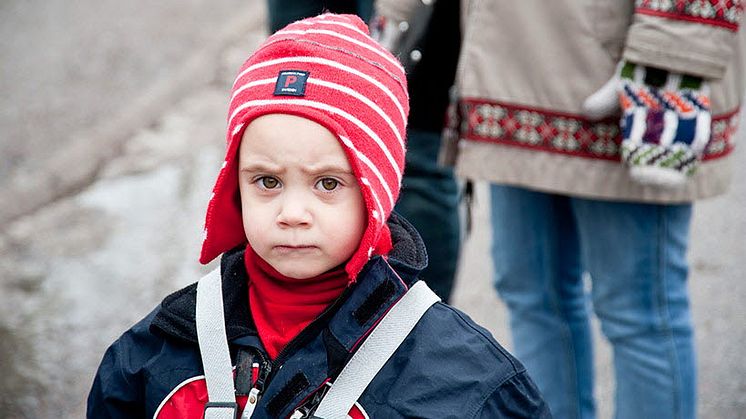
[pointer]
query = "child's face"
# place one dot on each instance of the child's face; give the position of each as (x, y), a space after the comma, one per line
(302, 208)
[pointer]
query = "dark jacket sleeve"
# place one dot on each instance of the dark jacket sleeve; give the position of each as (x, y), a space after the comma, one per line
(517, 397)
(116, 391)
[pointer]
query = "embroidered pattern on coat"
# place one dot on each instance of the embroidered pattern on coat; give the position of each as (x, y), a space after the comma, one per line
(725, 13)
(566, 133)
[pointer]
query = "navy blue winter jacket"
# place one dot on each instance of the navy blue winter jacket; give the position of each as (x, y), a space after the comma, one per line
(448, 367)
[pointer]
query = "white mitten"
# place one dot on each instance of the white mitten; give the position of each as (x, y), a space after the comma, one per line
(665, 121)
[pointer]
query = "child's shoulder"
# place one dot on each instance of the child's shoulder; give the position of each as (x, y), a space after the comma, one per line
(448, 366)
(451, 334)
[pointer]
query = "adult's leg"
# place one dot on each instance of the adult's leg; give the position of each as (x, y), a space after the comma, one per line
(636, 255)
(538, 274)
(283, 12)
(429, 197)
(280, 13)
(429, 200)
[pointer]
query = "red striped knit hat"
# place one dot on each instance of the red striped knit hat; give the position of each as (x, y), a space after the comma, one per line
(329, 70)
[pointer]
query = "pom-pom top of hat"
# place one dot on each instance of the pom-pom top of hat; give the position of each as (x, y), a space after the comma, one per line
(327, 69)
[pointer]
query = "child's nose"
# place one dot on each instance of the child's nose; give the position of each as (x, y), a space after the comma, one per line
(294, 211)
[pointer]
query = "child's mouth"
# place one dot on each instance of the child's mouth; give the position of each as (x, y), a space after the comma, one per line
(294, 248)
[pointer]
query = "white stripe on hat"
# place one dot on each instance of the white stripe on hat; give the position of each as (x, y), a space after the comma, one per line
(362, 157)
(252, 84)
(328, 20)
(237, 128)
(328, 108)
(367, 184)
(365, 100)
(338, 87)
(330, 63)
(369, 47)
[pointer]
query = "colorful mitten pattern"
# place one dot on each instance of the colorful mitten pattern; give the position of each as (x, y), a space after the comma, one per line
(665, 124)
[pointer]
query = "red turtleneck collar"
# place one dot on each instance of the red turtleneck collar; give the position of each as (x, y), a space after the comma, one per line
(282, 306)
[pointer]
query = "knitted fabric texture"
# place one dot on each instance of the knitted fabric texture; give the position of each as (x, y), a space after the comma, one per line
(665, 124)
(329, 70)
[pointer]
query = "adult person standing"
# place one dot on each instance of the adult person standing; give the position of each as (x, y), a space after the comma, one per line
(571, 194)
(428, 46)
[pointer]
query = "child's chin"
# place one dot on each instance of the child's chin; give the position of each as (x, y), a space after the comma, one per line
(299, 272)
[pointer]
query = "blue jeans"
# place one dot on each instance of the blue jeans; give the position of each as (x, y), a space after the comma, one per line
(429, 200)
(636, 257)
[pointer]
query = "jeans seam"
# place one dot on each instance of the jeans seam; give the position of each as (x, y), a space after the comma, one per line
(567, 342)
(566, 333)
(664, 313)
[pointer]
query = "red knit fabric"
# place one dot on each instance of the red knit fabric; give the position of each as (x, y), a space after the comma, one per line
(354, 88)
(282, 306)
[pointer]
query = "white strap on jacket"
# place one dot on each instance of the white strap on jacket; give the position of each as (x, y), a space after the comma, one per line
(375, 351)
(213, 347)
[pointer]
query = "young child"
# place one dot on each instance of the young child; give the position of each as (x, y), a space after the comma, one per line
(318, 278)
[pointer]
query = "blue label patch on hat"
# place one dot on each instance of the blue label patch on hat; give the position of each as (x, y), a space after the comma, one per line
(291, 83)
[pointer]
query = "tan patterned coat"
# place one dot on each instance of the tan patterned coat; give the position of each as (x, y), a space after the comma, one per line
(527, 66)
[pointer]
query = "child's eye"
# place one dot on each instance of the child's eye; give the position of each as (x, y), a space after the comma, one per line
(268, 182)
(328, 184)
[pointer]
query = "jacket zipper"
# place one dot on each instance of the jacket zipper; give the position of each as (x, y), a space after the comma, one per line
(289, 349)
(263, 368)
(304, 410)
(300, 413)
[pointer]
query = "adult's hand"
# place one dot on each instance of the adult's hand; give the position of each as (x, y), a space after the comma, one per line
(665, 121)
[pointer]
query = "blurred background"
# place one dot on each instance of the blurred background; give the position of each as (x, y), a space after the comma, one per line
(112, 118)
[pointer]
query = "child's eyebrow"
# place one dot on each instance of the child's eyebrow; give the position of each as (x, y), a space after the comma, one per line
(327, 168)
(255, 167)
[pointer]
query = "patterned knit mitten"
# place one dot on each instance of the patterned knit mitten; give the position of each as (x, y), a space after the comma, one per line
(665, 123)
